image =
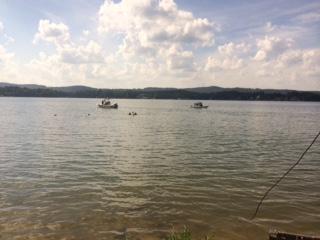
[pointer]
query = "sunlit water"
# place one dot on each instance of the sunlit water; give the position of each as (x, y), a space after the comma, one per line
(108, 175)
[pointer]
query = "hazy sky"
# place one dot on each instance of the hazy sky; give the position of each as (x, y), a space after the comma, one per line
(164, 43)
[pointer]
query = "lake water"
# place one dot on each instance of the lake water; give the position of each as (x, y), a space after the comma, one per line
(109, 175)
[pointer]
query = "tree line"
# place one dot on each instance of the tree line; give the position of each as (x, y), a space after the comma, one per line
(226, 94)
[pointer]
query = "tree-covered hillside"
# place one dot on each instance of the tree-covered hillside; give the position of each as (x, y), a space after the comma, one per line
(162, 93)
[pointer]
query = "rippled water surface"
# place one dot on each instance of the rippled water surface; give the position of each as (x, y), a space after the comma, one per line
(91, 173)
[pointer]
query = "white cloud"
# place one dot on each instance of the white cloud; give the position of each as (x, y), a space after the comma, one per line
(5, 56)
(290, 58)
(86, 33)
(50, 70)
(156, 32)
(282, 66)
(230, 63)
(155, 22)
(89, 53)
(278, 58)
(229, 56)
(177, 59)
(1, 27)
(8, 67)
(270, 47)
(57, 33)
(231, 48)
(306, 62)
(67, 50)
(294, 68)
(312, 58)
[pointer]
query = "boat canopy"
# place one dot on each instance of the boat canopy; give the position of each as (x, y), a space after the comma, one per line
(198, 104)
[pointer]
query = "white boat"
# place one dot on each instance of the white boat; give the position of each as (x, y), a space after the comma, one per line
(105, 103)
(198, 105)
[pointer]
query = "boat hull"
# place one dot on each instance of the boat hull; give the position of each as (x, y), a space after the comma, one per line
(113, 106)
(199, 107)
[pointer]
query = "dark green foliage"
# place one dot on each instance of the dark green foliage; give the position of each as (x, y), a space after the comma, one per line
(184, 235)
(160, 93)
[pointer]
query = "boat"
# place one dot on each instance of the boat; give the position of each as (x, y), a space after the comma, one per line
(198, 105)
(105, 103)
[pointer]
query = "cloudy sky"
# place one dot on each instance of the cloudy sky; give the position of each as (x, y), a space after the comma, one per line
(163, 43)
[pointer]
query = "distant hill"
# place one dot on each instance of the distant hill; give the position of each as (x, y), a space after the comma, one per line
(72, 89)
(200, 93)
(152, 89)
(205, 89)
(30, 86)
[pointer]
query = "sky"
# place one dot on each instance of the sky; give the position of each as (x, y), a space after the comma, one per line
(161, 43)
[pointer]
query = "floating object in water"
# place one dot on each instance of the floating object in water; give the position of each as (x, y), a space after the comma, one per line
(55, 115)
(290, 236)
(105, 103)
(198, 105)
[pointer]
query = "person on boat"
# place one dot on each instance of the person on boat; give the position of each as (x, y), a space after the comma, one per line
(105, 102)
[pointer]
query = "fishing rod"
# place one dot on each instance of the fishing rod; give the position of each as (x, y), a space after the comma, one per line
(283, 176)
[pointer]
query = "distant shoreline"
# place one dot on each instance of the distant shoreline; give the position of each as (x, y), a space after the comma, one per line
(201, 93)
(164, 99)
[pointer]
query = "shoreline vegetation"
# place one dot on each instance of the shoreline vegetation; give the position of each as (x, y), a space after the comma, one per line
(200, 93)
(184, 235)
